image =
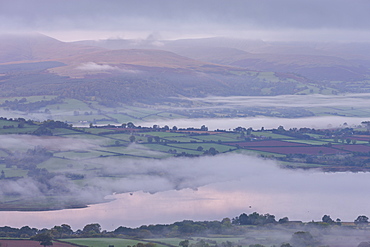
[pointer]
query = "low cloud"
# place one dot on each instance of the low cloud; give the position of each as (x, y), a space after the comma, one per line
(306, 101)
(94, 67)
(91, 66)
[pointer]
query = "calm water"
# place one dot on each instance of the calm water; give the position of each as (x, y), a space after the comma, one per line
(248, 186)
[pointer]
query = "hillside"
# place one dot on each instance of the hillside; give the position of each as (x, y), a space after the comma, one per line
(315, 61)
(132, 61)
(36, 47)
(156, 71)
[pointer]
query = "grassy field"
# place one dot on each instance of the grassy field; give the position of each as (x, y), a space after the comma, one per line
(269, 134)
(214, 138)
(182, 139)
(82, 113)
(105, 242)
(166, 148)
(311, 142)
(206, 146)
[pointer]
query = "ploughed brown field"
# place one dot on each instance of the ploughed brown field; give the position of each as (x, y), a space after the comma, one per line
(360, 137)
(29, 243)
(354, 148)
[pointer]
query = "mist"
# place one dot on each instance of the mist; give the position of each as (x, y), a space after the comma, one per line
(205, 188)
(305, 101)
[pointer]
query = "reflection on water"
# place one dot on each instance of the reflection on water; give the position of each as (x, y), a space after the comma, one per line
(299, 195)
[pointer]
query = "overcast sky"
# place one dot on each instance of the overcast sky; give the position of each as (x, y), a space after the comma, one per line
(341, 20)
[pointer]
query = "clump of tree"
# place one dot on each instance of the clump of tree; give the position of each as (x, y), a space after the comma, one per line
(254, 219)
(303, 239)
(23, 105)
(362, 220)
(43, 238)
(211, 151)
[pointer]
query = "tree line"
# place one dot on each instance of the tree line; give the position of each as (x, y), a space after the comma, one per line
(226, 226)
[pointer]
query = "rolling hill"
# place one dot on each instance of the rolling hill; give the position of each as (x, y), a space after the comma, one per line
(154, 71)
(316, 61)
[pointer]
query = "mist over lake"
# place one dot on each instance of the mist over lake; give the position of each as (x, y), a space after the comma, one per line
(227, 186)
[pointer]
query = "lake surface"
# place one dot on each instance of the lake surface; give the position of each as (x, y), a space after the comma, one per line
(244, 184)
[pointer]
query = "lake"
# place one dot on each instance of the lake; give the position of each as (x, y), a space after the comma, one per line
(226, 186)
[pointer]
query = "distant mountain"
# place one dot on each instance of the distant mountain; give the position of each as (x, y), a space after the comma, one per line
(316, 61)
(150, 71)
(36, 47)
(132, 61)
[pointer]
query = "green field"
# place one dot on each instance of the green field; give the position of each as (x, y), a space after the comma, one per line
(310, 142)
(166, 148)
(105, 242)
(269, 134)
(214, 138)
(205, 146)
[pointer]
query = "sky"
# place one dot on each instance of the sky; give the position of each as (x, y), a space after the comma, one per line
(281, 20)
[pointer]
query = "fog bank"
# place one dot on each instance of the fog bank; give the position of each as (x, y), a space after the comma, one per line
(206, 188)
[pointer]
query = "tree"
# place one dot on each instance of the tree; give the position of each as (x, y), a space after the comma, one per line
(283, 220)
(286, 245)
(226, 222)
(303, 239)
(327, 219)
(211, 151)
(132, 138)
(243, 219)
(150, 139)
(184, 243)
(92, 228)
(367, 124)
(61, 231)
(338, 221)
(362, 220)
(26, 231)
(269, 218)
(200, 148)
(42, 131)
(130, 125)
(43, 238)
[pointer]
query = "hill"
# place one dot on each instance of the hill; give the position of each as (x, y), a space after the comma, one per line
(315, 61)
(155, 71)
(35, 47)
